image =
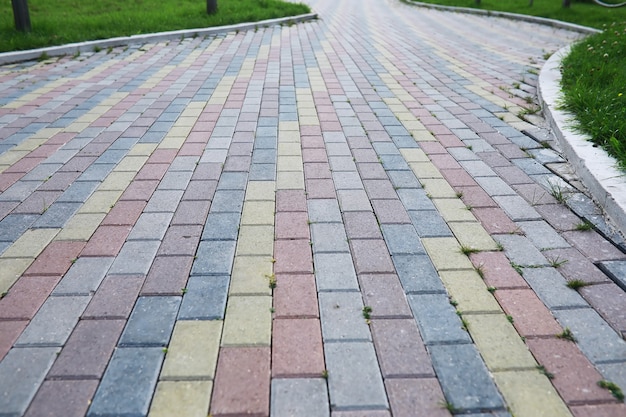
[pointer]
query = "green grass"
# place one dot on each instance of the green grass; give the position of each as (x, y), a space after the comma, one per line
(594, 87)
(57, 22)
(584, 13)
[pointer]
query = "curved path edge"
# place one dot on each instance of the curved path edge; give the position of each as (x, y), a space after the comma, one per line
(88, 46)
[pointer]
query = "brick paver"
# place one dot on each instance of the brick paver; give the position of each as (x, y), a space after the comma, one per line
(342, 217)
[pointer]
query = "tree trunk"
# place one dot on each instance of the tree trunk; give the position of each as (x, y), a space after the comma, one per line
(211, 6)
(21, 16)
(567, 3)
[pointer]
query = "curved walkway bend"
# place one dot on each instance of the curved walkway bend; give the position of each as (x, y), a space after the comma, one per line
(354, 216)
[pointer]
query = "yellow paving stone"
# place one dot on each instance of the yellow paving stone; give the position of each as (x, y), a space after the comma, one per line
(251, 275)
(309, 121)
(261, 191)
(10, 270)
(117, 181)
(453, 210)
(289, 149)
(289, 180)
(473, 235)
(101, 201)
(255, 240)
(248, 321)
(288, 136)
(12, 156)
(405, 116)
(422, 136)
(425, 170)
(258, 213)
(289, 125)
(530, 394)
(499, 343)
(414, 155)
(172, 142)
(192, 352)
(181, 398)
(179, 130)
(289, 163)
(81, 226)
(31, 243)
(30, 144)
(438, 188)
(413, 124)
(142, 149)
(185, 123)
(306, 111)
(77, 127)
(445, 253)
(468, 289)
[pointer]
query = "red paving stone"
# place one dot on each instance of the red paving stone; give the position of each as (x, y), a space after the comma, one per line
(495, 220)
(139, 190)
(242, 382)
(361, 225)
(295, 296)
(379, 189)
(610, 301)
(9, 332)
(297, 348)
(320, 188)
(594, 246)
(416, 397)
(317, 170)
(599, 410)
(200, 190)
(535, 194)
(124, 213)
(191, 213)
(291, 225)
(371, 256)
(56, 259)
(575, 378)
(293, 256)
(361, 413)
(87, 351)
(384, 294)
(181, 240)
(458, 178)
(115, 297)
(475, 197)
(168, 275)
(290, 200)
(400, 350)
(76, 395)
(573, 265)
(390, 212)
(106, 241)
(26, 296)
(559, 216)
(372, 171)
(497, 270)
(530, 316)
(513, 175)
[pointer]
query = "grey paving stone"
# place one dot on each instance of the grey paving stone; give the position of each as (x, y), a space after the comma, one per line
(530, 166)
(111, 156)
(393, 162)
(21, 373)
(598, 341)
(417, 274)
(78, 192)
(545, 156)
(494, 186)
(205, 298)
(262, 172)
(84, 276)
(517, 208)
(551, 287)
(347, 180)
(335, 271)
(404, 179)
(354, 200)
(542, 235)
(464, 378)
(96, 172)
(616, 270)
(478, 145)
(477, 168)
(19, 191)
(135, 257)
(233, 181)
(299, 397)
(402, 239)
(338, 149)
(175, 180)
(341, 163)
(214, 257)
(429, 223)
(329, 237)
(341, 315)
(128, 383)
(227, 201)
(182, 163)
(582, 205)
(404, 141)
(57, 215)
(54, 321)
(437, 319)
(385, 148)
(324, 211)
(614, 372)
(221, 226)
(164, 201)
(151, 322)
(354, 379)
(151, 226)
(463, 154)
(14, 225)
(521, 251)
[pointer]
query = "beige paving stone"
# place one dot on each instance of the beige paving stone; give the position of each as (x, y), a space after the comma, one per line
(289, 163)
(289, 149)
(142, 149)
(181, 398)
(81, 226)
(192, 352)
(172, 142)
(31, 243)
(309, 121)
(10, 270)
(258, 213)
(248, 321)
(261, 191)
(290, 180)
(414, 155)
(423, 136)
(445, 253)
(470, 292)
(132, 163)
(255, 240)
(453, 210)
(438, 188)
(499, 343)
(117, 180)
(530, 394)
(425, 170)
(289, 125)
(101, 201)
(473, 235)
(251, 275)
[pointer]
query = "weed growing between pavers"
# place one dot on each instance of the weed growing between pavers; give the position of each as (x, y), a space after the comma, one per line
(614, 388)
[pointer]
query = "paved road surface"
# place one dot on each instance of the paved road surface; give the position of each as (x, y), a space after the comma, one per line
(344, 217)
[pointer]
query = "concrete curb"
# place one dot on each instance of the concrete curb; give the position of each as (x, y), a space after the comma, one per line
(595, 167)
(72, 48)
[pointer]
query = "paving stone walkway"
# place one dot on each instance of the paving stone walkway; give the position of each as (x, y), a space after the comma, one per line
(361, 215)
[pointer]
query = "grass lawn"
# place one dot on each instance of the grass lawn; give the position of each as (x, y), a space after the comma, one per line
(57, 22)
